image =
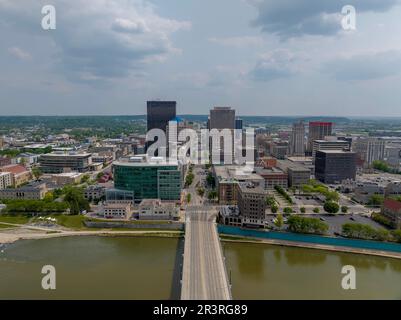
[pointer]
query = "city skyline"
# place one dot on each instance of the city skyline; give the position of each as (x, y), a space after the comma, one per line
(109, 59)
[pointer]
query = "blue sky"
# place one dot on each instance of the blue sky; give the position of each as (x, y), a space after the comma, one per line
(262, 57)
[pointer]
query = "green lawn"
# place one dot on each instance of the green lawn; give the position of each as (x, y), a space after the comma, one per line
(16, 219)
(70, 221)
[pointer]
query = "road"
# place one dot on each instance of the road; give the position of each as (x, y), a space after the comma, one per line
(204, 273)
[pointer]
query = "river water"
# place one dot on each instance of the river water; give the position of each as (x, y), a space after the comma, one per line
(92, 268)
(150, 268)
(260, 271)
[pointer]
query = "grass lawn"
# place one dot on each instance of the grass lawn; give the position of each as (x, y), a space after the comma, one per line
(16, 219)
(70, 221)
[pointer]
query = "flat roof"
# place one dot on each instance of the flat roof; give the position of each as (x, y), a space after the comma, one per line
(144, 164)
(335, 151)
(234, 172)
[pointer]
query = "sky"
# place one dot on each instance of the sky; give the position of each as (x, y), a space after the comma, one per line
(261, 57)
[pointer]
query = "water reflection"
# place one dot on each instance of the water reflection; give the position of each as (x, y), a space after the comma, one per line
(296, 257)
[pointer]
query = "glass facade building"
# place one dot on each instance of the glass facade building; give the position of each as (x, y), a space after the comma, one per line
(148, 181)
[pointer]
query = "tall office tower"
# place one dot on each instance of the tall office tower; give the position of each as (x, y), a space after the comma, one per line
(222, 118)
(159, 113)
(238, 124)
(369, 150)
(297, 139)
(334, 166)
(317, 131)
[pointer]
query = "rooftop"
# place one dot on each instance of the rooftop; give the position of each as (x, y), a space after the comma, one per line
(13, 168)
(235, 173)
(335, 151)
(392, 204)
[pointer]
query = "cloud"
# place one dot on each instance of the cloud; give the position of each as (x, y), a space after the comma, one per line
(244, 41)
(289, 18)
(99, 40)
(19, 53)
(274, 65)
(365, 67)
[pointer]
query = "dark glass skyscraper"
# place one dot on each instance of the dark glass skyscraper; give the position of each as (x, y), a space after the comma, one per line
(159, 113)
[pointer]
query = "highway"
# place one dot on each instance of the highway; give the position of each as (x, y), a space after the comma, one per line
(204, 275)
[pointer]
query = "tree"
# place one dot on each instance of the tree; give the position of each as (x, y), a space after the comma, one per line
(85, 178)
(332, 196)
(74, 197)
(396, 234)
(212, 195)
(210, 180)
(331, 207)
(279, 222)
(288, 210)
(188, 198)
(306, 225)
(303, 210)
(376, 200)
(189, 179)
(36, 172)
(201, 191)
(316, 210)
(344, 209)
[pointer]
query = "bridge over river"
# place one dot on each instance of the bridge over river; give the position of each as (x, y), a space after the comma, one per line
(204, 275)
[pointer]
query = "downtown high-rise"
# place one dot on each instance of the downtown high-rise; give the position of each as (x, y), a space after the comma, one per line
(297, 139)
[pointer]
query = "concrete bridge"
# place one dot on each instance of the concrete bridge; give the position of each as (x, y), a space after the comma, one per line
(204, 275)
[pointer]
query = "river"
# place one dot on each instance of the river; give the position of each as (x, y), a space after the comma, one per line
(261, 271)
(150, 268)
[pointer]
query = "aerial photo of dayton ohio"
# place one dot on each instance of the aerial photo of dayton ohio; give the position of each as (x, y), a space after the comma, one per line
(200, 150)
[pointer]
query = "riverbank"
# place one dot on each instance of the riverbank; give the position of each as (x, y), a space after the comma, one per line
(386, 254)
(13, 235)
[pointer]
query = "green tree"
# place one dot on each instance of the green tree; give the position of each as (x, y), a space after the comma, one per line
(288, 210)
(344, 209)
(85, 178)
(376, 200)
(303, 210)
(279, 222)
(37, 173)
(201, 191)
(316, 210)
(74, 197)
(306, 225)
(396, 234)
(212, 195)
(188, 198)
(210, 180)
(331, 207)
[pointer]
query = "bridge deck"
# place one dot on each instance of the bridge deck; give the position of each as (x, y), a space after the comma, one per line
(204, 273)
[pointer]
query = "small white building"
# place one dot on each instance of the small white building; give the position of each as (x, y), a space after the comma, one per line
(119, 209)
(155, 209)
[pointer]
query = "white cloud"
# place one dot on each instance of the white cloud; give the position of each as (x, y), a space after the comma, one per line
(19, 53)
(100, 39)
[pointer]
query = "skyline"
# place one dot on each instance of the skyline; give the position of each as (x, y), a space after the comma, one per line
(111, 57)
